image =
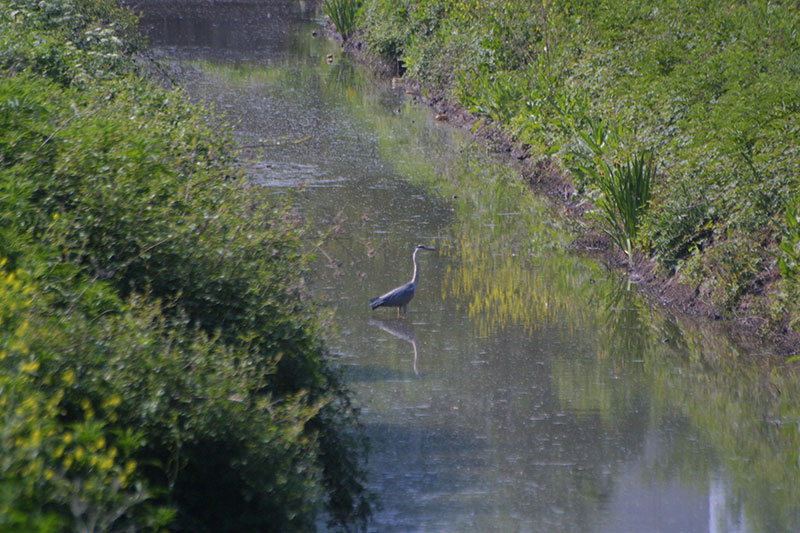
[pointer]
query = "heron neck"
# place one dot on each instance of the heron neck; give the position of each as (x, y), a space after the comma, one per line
(415, 278)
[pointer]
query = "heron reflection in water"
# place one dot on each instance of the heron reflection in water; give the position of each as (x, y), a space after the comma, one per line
(402, 330)
(403, 294)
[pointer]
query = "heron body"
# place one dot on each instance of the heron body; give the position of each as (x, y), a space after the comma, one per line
(400, 296)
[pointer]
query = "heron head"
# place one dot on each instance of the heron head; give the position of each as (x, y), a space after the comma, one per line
(423, 247)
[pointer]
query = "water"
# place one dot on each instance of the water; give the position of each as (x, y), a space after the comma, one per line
(527, 389)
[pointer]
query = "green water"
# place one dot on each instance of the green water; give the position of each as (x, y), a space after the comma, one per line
(527, 389)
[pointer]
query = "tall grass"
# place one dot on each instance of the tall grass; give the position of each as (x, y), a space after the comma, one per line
(626, 197)
(343, 15)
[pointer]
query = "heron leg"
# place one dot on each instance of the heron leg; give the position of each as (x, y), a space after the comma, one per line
(404, 307)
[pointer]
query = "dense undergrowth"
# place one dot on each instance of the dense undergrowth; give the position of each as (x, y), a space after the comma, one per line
(710, 89)
(160, 366)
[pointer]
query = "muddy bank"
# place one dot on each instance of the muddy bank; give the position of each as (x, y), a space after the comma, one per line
(749, 322)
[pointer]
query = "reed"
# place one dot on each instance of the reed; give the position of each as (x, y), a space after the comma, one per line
(626, 197)
(343, 15)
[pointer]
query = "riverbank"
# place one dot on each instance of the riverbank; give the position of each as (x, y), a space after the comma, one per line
(720, 258)
(546, 178)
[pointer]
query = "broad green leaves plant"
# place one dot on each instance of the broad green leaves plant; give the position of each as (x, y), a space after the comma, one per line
(789, 257)
(495, 95)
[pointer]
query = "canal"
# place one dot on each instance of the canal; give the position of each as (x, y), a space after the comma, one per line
(527, 388)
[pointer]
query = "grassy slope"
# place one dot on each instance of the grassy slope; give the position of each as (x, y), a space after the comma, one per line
(711, 89)
(160, 365)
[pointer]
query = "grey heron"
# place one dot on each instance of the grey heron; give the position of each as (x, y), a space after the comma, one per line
(403, 294)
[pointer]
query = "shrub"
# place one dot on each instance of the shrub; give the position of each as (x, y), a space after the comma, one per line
(495, 95)
(682, 227)
(164, 363)
(789, 258)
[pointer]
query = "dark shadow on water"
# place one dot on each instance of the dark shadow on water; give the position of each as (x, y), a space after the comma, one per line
(248, 28)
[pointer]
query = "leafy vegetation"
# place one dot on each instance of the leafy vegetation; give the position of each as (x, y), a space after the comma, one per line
(710, 89)
(626, 197)
(343, 15)
(160, 363)
(789, 258)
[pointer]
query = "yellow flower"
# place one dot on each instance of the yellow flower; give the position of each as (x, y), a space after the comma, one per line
(29, 367)
(113, 401)
(106, 464)
(28, 404)
(36, 437)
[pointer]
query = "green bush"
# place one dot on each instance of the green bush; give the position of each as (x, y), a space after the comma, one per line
(386, 30)
(789, 257)
(69, 41)
(160, 362)
(682, 228)
(495, 95)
